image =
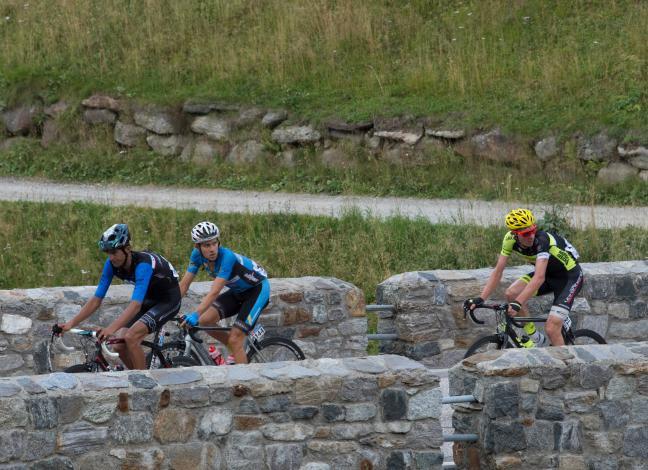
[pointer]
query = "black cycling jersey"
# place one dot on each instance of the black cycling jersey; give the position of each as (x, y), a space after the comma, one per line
(561, 254)
(154, 277)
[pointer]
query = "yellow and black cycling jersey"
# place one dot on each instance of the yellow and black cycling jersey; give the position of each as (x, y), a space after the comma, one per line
(561, 254)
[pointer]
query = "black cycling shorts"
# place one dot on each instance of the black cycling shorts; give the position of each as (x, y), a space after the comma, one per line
(155, 313)
(564, 287)
(247, 305)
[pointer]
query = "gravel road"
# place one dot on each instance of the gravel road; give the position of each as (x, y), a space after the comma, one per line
(435, 210)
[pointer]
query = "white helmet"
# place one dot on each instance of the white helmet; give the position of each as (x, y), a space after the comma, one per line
(204, 232)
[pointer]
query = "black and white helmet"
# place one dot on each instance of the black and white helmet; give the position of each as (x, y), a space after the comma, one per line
(204, 232)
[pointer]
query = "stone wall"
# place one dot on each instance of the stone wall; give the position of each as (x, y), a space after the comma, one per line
(203, 132)
(429, 317)
(369, 413)
(579, 407)
(325, 316)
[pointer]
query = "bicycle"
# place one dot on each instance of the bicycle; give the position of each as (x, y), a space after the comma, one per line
(258, 349)
(99, 358)
(506, 336)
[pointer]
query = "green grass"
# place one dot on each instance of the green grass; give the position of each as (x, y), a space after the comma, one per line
(55, 244)
(529, 66)
(445, 175)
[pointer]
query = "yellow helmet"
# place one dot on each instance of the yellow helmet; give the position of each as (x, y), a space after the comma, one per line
(519, 218)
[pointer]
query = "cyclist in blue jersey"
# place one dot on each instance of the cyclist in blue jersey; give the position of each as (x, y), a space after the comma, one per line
(156, 298)
(248, 288)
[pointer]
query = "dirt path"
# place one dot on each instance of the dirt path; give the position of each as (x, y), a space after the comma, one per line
(435, 210)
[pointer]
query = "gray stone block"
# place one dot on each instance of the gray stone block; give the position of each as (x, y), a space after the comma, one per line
(43, 412)
(303, 412)
(132, 428)
(540, 436)
(360, 412)
(12, 443)
(54, 463)
(425, 404)
(502, 437)
(248, 406)
(615, 414)
(638, 309)
(284, 456)
(425, 434)
(625, 288)
(274, 403)
(216, 422)
(80, 438)
(593, 376)
(358, 389)
(69, 408)
(639, 410)
(502, 399)
(332, 412)
(393, 403)
(568, 435)
(634, 441)
(141, 381)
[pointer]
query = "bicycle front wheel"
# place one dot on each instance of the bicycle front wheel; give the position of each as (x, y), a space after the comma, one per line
(487, 343)
(80, 368)
(171, 355)
(275, 349)
(587, 337)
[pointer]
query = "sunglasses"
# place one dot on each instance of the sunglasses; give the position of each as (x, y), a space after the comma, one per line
(526, 232)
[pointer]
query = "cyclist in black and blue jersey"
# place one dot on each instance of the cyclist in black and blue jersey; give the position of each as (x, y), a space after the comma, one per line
(248, 288)
(155, 300)
(556, 271)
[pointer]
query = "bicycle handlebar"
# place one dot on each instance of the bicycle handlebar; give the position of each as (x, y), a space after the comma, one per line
(58, 341)
(467, 310)
(189, 329)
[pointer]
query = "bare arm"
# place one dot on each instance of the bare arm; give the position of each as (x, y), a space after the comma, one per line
(186, 281)
(536, 281)
(216, 288)
(495, 277)
(88, 309)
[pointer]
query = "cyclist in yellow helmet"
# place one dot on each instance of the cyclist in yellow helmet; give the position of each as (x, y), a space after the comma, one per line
(556, 271)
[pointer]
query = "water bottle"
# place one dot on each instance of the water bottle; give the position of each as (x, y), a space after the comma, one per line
(161, 337)
(216, 354)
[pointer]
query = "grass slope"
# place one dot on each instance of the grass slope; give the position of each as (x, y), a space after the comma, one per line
(55, 244)
(529, 66)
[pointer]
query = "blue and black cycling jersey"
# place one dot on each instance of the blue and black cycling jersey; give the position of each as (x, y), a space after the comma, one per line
(240, 273)
(154, 277)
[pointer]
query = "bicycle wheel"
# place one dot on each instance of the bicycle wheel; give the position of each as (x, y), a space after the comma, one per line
(275, 349)
(184, 361)
(80, 368)
(486, 343)
(587, 337)
(169, 355)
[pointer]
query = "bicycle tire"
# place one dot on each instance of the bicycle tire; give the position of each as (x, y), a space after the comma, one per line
(79, 368)
(585, 333)
(484, 340)
(276, 349)
(168, 352)
(184, 361)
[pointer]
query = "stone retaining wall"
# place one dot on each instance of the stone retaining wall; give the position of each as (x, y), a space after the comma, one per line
(579, 407)
(369, 413)
(431, 327)
(205, 132)
(325, 316)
